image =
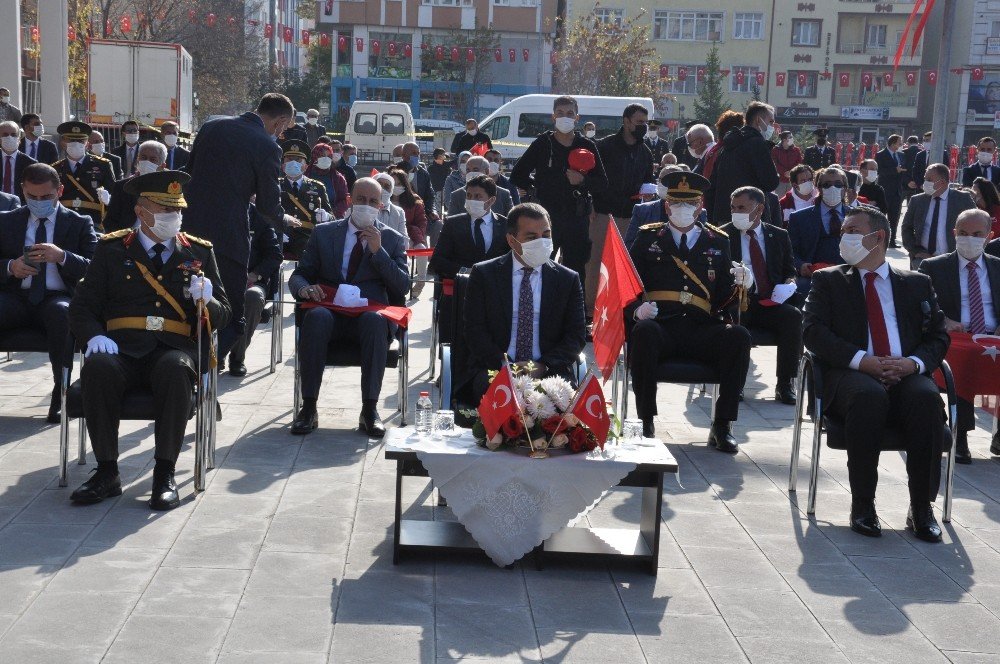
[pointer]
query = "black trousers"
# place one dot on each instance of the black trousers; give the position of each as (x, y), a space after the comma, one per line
(894, 201)
(105, 379)
(320, 327)
(867, 408)
(571, 235)
(51, 316)
(253, 306)
(234, 283)
(725, 347)
(785, 322)
(966, 415)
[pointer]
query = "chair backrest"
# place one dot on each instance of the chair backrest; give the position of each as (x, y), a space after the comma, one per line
(458, 307)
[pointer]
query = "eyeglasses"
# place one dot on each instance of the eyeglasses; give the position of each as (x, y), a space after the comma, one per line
(827, 185)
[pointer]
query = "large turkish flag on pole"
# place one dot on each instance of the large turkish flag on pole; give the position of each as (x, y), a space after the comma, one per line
(975, 363)
(617, 286)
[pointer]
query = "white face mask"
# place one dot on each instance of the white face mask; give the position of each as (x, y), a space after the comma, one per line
(166, 224)
(696, 155)
(681, 214)
(397, 190)
(363, 216)
(970, 248)
(985, 158)
(661, 190)
(535, 253)
(461, 168)
(472, 174)
(927, 145)
(476, 209)
(324, 163)
(39, 130)
(929, 187)
(741, 220)
(313, 121)
(293, 169)
(494, 168)
(386, 196)
(852, 248)
(336, 157)
(132, 138)
(144, 166)
(170, 140)
(97, 148)
(9, 143)
(806, 188)
(833, 196)
(589, 133)
(565, 126)
(871, 176)
(5, 99)
(76, 151)
(768, 132)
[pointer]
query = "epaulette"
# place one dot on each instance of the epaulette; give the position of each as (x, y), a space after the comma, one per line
(716, 229)
(198, 240)
(652, 227)
(97, 157)
(59, 163)
(115, 235)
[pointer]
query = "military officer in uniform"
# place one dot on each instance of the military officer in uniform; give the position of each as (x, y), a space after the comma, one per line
(304, 199)
(136, 311)
(691, 285)
(658, 146)
(819, 155)
(87, 179)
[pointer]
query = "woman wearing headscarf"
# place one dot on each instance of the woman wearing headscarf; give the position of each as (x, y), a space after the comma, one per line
(322, 169)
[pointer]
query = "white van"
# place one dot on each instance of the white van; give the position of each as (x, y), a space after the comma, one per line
(433, 133)
(376, 127)
(513, 126)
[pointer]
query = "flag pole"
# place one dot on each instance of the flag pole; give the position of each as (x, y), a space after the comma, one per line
(520, 410)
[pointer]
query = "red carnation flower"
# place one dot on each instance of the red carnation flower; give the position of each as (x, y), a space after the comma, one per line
(550, 424)
(513, 427)
(578, 440)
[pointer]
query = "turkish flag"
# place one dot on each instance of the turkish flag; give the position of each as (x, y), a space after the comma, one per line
(866, 80)
(392, 49)
(376, 47)
(802, 79)
(664, 71)
(682, 73)
(887, 77)
(617, 286)
(973, 361)
(845, 80)
(341, 43)
(590, 408)
(525, 53)
(500, 402)
(268, 30)
(407, 50)
(977, 73)
(439, 52)
(479, 149)
(700, 73)
(911, 78)
(324, 39)
(126, 23)
(470, 55)
(289, 35)
(932, 77)
(512, 55)
(779, 79)
(498, 55)
(761, 77)
(740, 77)
(71, 33)
(305, 37)
(454, 54)
(209, 21)
(359, 44)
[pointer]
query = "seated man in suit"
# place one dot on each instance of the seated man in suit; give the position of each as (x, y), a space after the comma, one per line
(45, 249)
(967, 283)
(768, 251)
(360, 251)
(543, 325)
(473, 167)
(177, 157)
(503, 182)
(121, 210)
(983, 166)
(12, 161)
(882, 335)
(929, 223)
(391, 215)
(815, 231)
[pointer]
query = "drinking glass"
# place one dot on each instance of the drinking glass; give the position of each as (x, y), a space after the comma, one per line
(632, 431)
(444, 423)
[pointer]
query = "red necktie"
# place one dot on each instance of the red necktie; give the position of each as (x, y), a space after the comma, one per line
(764, 287)
(356, 254)
(977, 317)
(8, 175)
(876, 317)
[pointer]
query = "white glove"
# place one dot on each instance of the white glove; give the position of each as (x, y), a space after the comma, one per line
(291, 222)
(101, 344)
(646, 311)
(103, 195)
(742, 275)
(200, 288)
(322, 216)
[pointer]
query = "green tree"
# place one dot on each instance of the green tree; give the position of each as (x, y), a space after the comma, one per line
(710, 102)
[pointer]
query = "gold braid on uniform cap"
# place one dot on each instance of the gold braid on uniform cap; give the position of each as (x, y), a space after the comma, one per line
(173, 197)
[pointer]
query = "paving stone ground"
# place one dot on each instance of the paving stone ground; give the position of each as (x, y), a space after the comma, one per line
(286, 557)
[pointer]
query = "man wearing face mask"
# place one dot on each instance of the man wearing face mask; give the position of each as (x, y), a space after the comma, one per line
(12, 161)
(177, 157)
(7, 110)
(439, 170)
(657, 147)
(32, 144)
(345, 159)
(97, 147)
(128, 150)
(503, 182)
(121, 211)
(455, 179)
(472, 136)
(45, 249)
(984, 167)
(304, 200)
(360, 251)
(768, 251)
(680, 147)
(522, 307)
(87, 179)
(313, 128)
(892, 167)
(803, 193)
(700, 141)
(920, 161)
(390, 214)
(967, 283)
(745, 160)
(929, 224)
(420, 179)
(786, 156)
(475, 167)
(882, 335)
(871, 190)
(691, 286)
(815, 231)
(136, 313)
(820, 155)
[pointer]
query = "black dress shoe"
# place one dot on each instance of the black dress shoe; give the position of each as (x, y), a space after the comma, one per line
(893, 244)
(864, 519)
(785, 392)
(306, 421)
(164, 491)
(741, 395)
(962, 453)
(370, 423)
(237, 369)
(721, 438)
(648, 430)
(103, 484)
(55, 406)
(265, 315)
(923, 524)
(995, 445)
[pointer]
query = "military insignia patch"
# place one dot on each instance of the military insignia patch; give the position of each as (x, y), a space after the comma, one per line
(190, 266)
(174, 188)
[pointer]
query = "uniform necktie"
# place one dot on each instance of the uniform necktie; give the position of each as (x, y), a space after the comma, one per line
(759, 265)
(977, 317)
(834, 222)
(8, 175)
(684, 244)
(480, 239)
(525, 318)
(876, 317)
(932, 240)
(158, 250)
(356, 254)
(36, 292)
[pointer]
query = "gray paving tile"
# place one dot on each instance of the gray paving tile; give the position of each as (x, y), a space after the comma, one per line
(148, 638)
(672, 592)
(582, 597)
(308, 534)
(38, 544)
(466, 631)
(289, 624)
(295, 574)
(216, 547)
(68, 621)
(588, 646)
(733, 568)
(19, 585)
(690, 639)
(967, 627)
(396, 643)
(785, 650)
(193, 592)
(764, 613)
(107, 570)
(270, 657)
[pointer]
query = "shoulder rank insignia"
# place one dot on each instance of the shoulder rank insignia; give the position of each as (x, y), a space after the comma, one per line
(716, 229)
(652, 227)
(116, 235)
(197, 240)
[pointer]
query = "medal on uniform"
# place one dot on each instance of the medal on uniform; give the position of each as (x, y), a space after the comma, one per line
(711, 275)
(93, 183)
(129, 262)
(312, 205)
(77, 202)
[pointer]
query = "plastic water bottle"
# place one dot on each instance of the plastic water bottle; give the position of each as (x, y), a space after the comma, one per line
(425, 414)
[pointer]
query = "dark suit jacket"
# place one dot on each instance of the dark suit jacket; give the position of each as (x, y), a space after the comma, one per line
(916, 216)
(231, 160)
(875, 195)
(456, 203)
(74, 234)
(920, 166)
(805, 228)
(772, 210)
(122, 153)
(455, 248)
(489, 307)
(48, 153)
(121, 210)
(116, 164)
(9, 202)
(993, 247)
(21, 161)
(888, 177)
(973, 171)
(777, 252)
(835, 325)
(382, 277)
(943, 271)
(816, 158)
(177, 158)
(265, 251)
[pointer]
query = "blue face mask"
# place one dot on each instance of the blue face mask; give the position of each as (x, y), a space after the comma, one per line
(293, 169)
(352, 161)
(41, 209)
(414, 161)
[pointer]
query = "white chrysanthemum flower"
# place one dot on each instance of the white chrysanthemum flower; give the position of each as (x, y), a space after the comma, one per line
(558, 390)
(525, 385)
(539, 405)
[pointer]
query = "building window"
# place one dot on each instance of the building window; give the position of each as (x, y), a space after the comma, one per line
(446, 3)
(805, 32)
(876, 36)
(513, 3)
(673, 85)
(749, 78)
(610, 16)
(748, 25)
(687, 26)
(804, 88)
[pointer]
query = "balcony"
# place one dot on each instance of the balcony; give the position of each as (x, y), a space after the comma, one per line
(861, 48)
(889, 98)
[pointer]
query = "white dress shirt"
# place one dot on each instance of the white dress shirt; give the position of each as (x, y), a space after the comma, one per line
(984, 288)
(692, 235)
(487, 229)
(148, 243)
(53, 280)
(536, 295)
(883, 286)
(942, 231)
(745, 242)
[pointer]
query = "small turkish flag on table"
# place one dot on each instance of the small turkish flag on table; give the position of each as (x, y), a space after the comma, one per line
(499, 402)
(589, 407)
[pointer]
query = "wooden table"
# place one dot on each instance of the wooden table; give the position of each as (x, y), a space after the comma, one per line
(640, 544)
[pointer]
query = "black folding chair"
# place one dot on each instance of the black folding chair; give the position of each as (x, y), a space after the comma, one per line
(23, 340)
(679, 371)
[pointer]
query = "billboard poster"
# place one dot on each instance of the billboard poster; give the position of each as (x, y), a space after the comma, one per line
(984, 98)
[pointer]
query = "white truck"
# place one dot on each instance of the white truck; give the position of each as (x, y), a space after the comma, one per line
(149, 82)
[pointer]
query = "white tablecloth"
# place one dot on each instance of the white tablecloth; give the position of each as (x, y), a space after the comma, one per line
(510, 503)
